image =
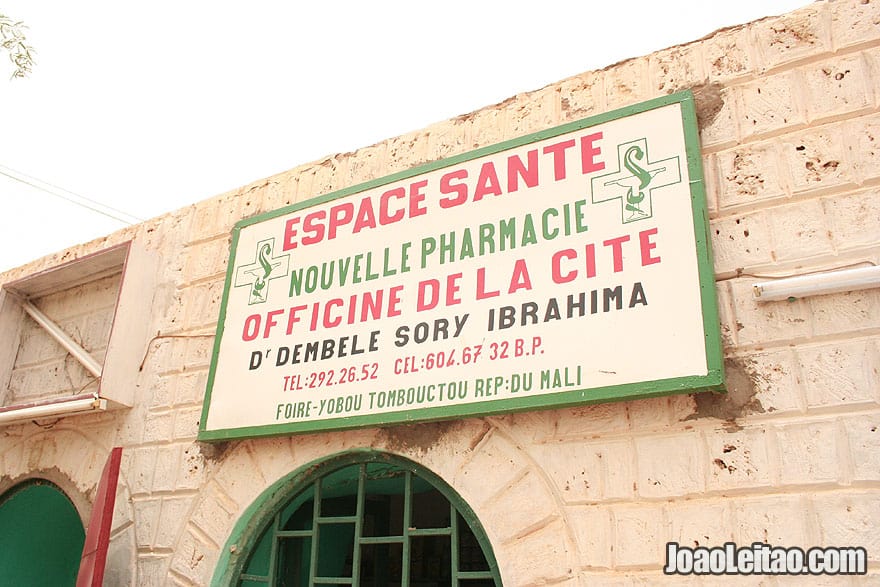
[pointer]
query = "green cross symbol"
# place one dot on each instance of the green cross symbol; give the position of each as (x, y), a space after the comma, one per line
(635, 180)
(265, 268)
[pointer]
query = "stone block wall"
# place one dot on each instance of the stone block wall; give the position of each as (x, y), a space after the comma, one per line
(42, 368)
(790, 132)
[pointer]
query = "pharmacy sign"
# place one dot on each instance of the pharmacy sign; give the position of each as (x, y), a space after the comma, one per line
(563, 268)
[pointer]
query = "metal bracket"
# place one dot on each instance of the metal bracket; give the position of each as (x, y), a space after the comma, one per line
(56, 332)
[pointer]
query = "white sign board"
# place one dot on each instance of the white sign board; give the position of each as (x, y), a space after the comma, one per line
(562, 268)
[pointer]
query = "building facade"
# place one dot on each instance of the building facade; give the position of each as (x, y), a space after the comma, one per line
(789, 130)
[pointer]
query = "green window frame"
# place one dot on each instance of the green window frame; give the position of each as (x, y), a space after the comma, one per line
(365, 519)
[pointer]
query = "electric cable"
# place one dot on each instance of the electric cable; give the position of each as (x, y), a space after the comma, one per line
(60, 192)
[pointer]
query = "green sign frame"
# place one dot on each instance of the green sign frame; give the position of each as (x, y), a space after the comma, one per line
(637, 206)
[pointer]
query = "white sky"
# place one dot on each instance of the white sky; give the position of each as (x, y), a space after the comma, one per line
(150, 106)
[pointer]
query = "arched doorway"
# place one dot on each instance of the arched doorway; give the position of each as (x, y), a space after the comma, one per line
(41, 535)
(364, 519)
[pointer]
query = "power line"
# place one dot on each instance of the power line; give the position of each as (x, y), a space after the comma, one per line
(70, 196)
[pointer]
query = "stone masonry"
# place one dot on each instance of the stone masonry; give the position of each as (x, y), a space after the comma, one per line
(789, 111)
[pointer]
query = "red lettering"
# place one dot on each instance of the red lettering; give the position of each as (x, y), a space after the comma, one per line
(394, 301)
(646, 245)
(558, 151)
(251, 327)
(270, 321)
(590, 251)
(313, 225)
(556, 266)
(371, 305)
(589, 152)
(487, 182)
(516, 170)
(616, 245)
(452, 288)
(313, 323)
(292, 318)
(365, 217)
(482, 294)
(520, 278)
(339, 214)
(384, 216)
(428, 295)
(416, 198)
(352, 309)
(328, 322)
(447, 187)
(290, 234)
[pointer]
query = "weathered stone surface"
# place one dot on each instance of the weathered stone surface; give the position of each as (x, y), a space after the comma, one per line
(574, 496)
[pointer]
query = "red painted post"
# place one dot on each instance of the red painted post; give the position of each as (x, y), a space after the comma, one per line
(94, 557)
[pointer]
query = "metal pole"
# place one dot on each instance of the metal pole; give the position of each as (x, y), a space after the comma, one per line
(79, 353)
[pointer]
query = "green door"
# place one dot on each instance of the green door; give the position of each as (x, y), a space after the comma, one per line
(41, 536)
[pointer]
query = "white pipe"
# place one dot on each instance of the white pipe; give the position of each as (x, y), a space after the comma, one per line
(79, 353)
(817, 284)
(64, 408)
